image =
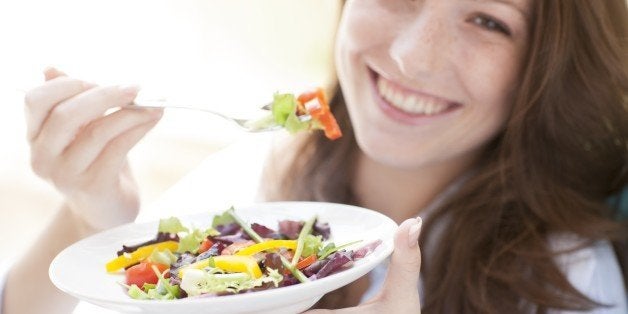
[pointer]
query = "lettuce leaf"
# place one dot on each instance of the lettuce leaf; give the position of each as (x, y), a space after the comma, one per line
(171, 225)
(212, 280)
(283, 106)
(223, 219)
(311, 245)
(192, 241)
(164, 257)
(138, 294)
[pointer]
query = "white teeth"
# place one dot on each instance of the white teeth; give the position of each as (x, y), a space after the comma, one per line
(410, 103)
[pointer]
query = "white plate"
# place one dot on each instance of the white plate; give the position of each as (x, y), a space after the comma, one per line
(79, 270)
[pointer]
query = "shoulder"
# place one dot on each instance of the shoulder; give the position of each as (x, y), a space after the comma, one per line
(594, 270)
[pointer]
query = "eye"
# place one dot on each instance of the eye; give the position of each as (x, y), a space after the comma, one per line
(490, 24)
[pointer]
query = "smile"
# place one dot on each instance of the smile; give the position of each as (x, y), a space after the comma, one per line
(405, 103)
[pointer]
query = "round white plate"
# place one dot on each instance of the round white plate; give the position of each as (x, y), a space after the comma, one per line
(79, 270)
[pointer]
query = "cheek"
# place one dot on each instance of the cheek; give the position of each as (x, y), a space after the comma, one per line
(365, 25)
(489, 76)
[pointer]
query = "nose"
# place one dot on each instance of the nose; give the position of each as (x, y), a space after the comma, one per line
(420, 47)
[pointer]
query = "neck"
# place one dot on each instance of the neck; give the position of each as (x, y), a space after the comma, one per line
(401, 193)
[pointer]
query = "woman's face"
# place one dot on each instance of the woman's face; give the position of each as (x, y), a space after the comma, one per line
(429, 81)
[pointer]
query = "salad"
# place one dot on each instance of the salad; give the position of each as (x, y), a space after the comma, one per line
(230, 257)
(308, 111)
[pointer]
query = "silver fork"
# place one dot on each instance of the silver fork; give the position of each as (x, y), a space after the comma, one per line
(249, 125)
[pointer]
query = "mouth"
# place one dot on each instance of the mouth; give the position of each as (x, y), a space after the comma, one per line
(408, 105)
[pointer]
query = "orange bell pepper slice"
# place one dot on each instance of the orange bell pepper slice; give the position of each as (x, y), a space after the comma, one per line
(315, 103)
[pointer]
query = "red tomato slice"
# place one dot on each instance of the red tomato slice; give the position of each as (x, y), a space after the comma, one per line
(143, 273)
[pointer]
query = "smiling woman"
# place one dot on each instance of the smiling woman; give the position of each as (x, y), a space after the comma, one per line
(502, 123)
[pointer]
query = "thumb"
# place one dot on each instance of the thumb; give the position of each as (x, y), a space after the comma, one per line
(51, 73)
(402, 279)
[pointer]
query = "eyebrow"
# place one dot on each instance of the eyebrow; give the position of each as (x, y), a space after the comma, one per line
(512, 4)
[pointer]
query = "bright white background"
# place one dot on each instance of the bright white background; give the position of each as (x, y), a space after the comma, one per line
(230, 55)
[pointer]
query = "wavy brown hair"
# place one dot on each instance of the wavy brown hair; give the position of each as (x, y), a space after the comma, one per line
(563, 152)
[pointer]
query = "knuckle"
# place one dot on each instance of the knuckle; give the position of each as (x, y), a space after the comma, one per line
(39, 165)
(61, 114)
(93, 132)
(31, 98)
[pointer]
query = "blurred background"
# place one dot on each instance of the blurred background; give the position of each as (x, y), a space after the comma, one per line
(229, 55)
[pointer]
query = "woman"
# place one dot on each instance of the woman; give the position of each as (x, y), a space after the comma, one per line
(502, 122)
(517, 104)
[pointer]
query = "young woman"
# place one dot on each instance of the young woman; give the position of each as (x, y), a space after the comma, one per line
(503, 123)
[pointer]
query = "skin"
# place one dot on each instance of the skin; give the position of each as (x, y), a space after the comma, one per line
(84, 155)
(444, 51)
(463, 54)
(447, 51)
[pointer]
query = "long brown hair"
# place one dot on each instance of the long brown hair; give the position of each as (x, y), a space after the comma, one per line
(563, 152)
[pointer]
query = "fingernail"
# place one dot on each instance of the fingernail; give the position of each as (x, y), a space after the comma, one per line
(415, 230)
(129, 90)
(48, 69)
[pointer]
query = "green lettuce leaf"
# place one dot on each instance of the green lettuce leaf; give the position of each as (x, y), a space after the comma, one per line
(223, 219)
(212, 280)
(312, 245)
(171, 225)
(283, 106)
(137, 293)
(164, 257)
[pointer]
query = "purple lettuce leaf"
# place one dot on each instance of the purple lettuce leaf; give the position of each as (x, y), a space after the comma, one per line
(228, 229)
(322, 229)
(272, 260)
(160, 237)
(214, 250)
(365, 250)
(290, 228)
(240, 236)
(263, 231)
(334, 263)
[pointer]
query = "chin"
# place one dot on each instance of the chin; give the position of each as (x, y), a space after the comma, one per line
(393, 155)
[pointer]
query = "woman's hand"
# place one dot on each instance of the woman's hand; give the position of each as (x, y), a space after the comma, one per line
(400, 293)
(82, 151)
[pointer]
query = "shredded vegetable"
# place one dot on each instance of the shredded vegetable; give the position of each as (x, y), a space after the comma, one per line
(232, 256)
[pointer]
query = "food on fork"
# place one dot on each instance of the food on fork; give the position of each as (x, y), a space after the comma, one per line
(288, 112)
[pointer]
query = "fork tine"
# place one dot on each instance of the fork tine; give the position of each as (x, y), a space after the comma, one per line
(267, 106)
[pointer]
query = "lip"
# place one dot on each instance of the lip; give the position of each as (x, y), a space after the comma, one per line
(405, 117)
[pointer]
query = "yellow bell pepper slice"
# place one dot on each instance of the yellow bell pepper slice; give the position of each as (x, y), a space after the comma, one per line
(267, 245)
(138, 255)
(229, 263)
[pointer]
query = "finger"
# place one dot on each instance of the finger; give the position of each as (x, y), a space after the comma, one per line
(52, 72)
(95, 136)
(39, 101)
(405, 264)
(113, 157)
(68, 117)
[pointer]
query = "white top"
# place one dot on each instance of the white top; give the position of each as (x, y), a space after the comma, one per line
(231, 177)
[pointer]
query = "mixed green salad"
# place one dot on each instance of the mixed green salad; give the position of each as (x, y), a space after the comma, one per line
(230, 257)
(307, 111)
